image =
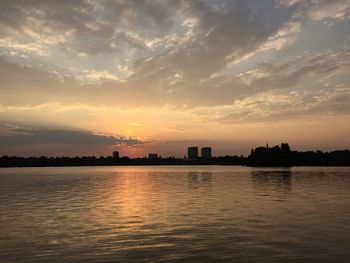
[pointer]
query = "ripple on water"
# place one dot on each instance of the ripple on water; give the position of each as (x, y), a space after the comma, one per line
(174, 214)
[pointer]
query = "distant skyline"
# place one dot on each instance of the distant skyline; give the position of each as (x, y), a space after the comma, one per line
(89, 77)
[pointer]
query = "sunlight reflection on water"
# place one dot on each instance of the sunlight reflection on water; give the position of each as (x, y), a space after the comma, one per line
(172, 214)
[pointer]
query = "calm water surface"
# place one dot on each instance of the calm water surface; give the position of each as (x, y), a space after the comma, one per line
(174, 214)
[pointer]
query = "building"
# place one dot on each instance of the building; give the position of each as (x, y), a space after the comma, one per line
(152, 156)
(192, 152)
(115, 154)
(206, 152)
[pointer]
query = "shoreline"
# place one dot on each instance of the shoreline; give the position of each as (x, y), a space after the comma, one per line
(147, 165)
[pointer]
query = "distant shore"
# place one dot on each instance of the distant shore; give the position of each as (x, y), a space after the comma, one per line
(258, 158)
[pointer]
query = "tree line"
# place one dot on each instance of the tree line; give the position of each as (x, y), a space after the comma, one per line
(279, 155)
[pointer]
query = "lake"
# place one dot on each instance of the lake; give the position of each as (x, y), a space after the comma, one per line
(175, 214)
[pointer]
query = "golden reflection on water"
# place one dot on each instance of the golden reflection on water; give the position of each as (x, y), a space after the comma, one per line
(174, 214)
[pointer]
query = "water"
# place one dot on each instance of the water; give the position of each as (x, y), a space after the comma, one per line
(174, 214)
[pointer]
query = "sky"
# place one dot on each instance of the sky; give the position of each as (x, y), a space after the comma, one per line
(87, 77)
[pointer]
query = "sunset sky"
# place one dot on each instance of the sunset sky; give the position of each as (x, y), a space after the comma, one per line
(86, 77)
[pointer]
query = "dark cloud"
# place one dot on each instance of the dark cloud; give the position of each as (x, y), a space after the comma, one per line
(11, 135)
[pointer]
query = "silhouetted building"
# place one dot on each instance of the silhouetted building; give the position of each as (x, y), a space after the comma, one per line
(206, 152)
(115, 154)
(152, 156)
(192, 152)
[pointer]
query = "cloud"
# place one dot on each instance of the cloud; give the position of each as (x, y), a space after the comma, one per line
(214, 39)
(276, 91)
(12, 135)
(321, 9)
(184, 52)
(35, 87)
(144, 28)
(99, 76)
(274, 106)
(176, 65)
(84, 27)
(168, 49)
(289, 72)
